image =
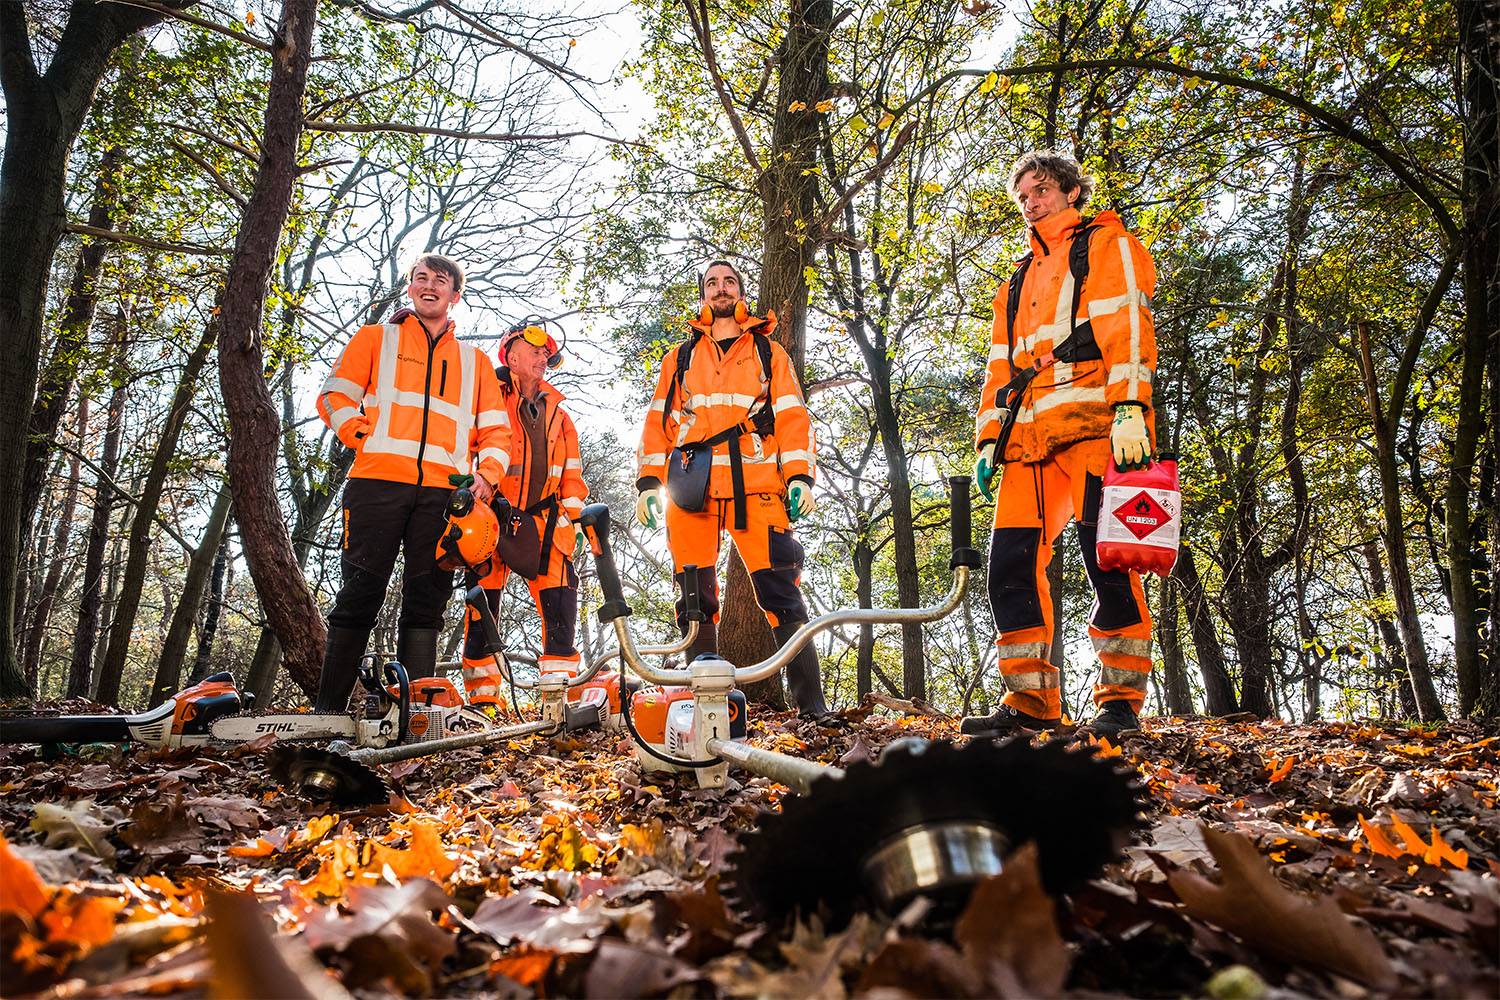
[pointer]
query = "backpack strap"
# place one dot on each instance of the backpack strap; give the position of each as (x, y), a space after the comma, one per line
(1079, 344)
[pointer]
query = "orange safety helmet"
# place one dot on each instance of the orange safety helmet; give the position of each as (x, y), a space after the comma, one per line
(469, 540)
(532, 329)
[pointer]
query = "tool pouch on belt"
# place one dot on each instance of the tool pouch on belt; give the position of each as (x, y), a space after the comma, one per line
(688, 469)
(520, 544)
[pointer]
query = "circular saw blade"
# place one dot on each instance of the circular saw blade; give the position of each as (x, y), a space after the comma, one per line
(321, 774)
(1079, 809)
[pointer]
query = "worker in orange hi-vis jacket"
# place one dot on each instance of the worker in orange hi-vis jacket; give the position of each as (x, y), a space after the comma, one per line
(417, 405)
(1068, 389)
(544, 490)
(729, 436)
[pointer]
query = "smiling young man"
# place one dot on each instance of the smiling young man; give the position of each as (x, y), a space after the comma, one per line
(729, 436)
(417, 405)
(1067, 390)
(544, 484)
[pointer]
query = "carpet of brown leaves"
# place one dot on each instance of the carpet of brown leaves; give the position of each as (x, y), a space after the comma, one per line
(1324, 860)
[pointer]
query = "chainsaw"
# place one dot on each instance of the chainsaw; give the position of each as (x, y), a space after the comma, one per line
(185, 719)
(399, 710)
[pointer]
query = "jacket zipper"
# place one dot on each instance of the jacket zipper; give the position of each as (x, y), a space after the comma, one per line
(426, 402)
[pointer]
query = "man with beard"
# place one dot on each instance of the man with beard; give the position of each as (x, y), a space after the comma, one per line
(729, 436)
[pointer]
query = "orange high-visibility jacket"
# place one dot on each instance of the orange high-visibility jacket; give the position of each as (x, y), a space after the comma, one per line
(414, 409)
(564, 466)
(720, 392)
(1067, 403)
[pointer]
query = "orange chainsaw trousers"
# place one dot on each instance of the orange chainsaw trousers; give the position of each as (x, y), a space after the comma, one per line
(1034, 503)
(772, 555)
(555, 593)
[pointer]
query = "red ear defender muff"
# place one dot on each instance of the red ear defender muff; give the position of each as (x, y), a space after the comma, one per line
(741, 311)
(706, 315)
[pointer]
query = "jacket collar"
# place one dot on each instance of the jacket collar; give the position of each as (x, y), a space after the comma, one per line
(400, 316)
(1051, 232)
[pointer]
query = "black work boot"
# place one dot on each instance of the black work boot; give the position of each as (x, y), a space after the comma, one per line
(707, 641)
(416, 650)
(1114, 718)
(341, 655)
(1005, 721)
(804, 677)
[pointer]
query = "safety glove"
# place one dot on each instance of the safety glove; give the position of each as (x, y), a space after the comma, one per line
(799, 500)
(648, 507)
(985, 470)
(1128, 439)
(460, 480)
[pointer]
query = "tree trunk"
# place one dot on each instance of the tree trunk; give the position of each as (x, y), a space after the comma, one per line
(254, 419)
(87, 631)
(213, 610)
(41, 610)
(73, 333)
(43, 113)
(1477, 664)
(787, 193)
(903, 529)
(864, 591)
(204, 559)
(1393, 532)
(1218, 688)
(1386, 629)
(138, 546)
(1177, 694)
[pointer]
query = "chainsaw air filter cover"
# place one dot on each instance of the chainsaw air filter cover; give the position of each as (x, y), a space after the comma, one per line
(933, 819)
(324, 775)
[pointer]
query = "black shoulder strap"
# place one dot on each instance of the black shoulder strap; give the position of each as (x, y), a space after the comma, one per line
(1013, 301)
(765, 420)
(1078, 261)
(684, 361)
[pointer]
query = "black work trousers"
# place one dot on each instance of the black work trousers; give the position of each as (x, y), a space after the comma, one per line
(380, 519)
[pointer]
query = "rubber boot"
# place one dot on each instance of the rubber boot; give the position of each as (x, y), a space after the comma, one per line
(706, 642)
(804, 678)
(341, 655)
(416, 649)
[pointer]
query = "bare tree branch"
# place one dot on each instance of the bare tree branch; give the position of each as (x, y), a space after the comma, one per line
(173, 12)
(144, 241)
(699, 20)
(325, 126)
(208, 168)
(884, 164)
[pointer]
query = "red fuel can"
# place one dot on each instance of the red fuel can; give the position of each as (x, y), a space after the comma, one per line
(1140, 518)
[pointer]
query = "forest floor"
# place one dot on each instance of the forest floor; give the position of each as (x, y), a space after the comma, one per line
(1281, 860)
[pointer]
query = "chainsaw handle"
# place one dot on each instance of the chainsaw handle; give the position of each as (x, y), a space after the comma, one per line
(961, 524)
(475, 598)
(395, 673)
(691, 611)
(595, 523)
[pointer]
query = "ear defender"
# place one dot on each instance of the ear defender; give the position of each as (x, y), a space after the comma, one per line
(706, 315)
(741, 311)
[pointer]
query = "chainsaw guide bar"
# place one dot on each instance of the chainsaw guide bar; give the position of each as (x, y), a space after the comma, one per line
(932, 819)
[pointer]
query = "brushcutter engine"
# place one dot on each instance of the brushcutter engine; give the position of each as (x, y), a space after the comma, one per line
(663, 720)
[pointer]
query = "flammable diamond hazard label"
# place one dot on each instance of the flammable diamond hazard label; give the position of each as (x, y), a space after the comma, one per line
(1141, 515)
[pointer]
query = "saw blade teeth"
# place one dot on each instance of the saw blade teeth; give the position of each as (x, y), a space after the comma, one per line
(1080, 809)
(343, 780)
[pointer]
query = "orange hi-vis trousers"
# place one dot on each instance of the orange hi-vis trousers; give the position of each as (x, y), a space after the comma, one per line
(556, 595)
(772, 555)
(1034, 503)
